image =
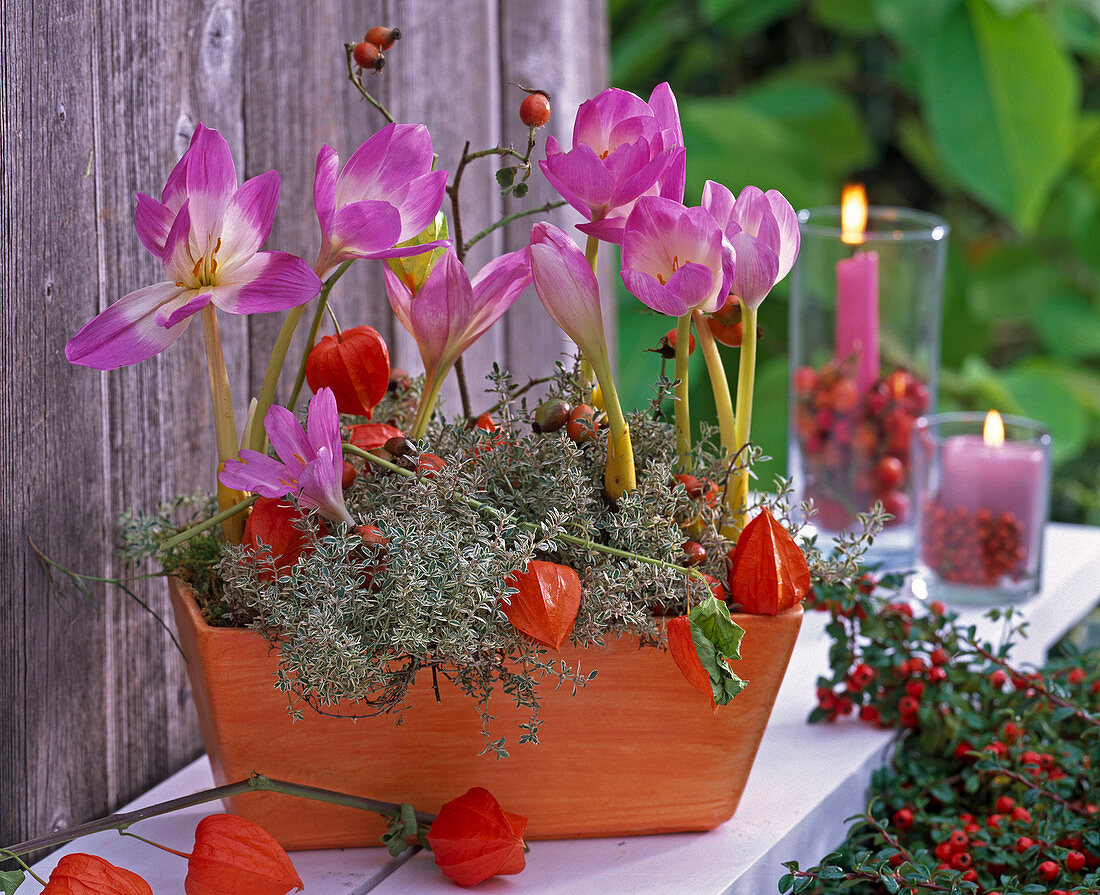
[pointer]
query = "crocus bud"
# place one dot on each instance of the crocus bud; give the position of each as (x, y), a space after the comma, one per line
(414, 269)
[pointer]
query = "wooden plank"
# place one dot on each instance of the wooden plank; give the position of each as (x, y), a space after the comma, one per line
(289, 117)
(560, 48)
(52, 760)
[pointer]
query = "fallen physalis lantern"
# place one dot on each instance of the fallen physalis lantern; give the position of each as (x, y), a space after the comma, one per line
(546, 601)
(769, 571)
(232, 854)
(473, 838)
(81, 874)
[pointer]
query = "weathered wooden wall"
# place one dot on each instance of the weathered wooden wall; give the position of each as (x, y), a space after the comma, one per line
(97, 101)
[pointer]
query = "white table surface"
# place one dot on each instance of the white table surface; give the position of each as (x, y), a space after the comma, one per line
(805, 782)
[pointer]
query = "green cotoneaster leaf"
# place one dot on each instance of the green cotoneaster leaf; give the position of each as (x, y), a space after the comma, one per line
(717, 637)
(10, 880)
(1001, 100)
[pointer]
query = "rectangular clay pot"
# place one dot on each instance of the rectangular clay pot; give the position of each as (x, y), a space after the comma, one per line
(637, 751)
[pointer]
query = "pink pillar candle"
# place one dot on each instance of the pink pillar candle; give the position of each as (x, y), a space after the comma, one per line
(857, 316)
(999, 478)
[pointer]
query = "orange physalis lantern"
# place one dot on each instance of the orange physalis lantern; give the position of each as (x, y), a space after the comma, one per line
(682, 647)
(372, 436)
(355, 365)
(473, 838)
(81, 874)
(546, 603)
(274, 522)
(769, 571)
(232, 854)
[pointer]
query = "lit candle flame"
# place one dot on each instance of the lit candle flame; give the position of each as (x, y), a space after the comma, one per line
(853, 213)
(993, 433)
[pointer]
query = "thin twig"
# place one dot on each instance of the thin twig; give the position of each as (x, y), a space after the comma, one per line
(508, 218)
(358, 82)
(531, 383)
(1043, 791)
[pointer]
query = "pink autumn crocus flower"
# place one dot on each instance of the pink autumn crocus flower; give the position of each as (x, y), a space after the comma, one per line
(451, 311)
(675, 259)
(623, 148)
(206, 232)
(310, 464)
(387, 193)
(762, 228)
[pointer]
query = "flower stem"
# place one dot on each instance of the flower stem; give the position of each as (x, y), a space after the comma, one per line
(255, 783)
(225, 427)
(591, 254)
(24, 865)
(428, 398)
(207, 524)
(727, 424)
(358, 82)
(311, 339)
(171, 851)
(737, 496)
(683, 411)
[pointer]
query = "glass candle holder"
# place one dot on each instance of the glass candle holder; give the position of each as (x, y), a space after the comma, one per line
(864, 352)
(981, 507)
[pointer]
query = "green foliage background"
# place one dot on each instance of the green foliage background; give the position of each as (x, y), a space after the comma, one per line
(984, 111)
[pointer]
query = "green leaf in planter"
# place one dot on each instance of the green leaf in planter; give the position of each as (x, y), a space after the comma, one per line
(716, 636)
(1069, 327)
(854, 17)
(1001, 100)
(10, 880)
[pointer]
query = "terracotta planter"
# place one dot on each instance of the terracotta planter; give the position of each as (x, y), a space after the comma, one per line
(636, 751)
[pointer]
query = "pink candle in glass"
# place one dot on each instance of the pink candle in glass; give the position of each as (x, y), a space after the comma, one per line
(988, 473)
(857, 325)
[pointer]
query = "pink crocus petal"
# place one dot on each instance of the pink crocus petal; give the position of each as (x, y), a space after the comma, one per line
(362, 228)
(674, 179)
(754, 214)
(255, 472)
(152, 221)
(178, 263)
(639, 174)
(583, 175)
(597, 117)
(789, 236)
(323, 428)
(324, 186)
(400, 251)
(127, 332)
(287, 437)
(247, 221)
(172, 312)
(693, 284)
(757, 266)
(408, 156)
(419, 201)
(211, 181)
(567, 287)
(662, 101)
(311, 464)
(653, 295)
(268, 281)
(609, 229)
(718, 200)
(357, 179)
(441, 308)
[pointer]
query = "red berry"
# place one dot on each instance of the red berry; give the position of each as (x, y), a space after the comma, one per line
(998, 679)
(1076, 675)
(368, 56)
(382, 37)
(581, 425)
(870, 714)
(804, 380)
(937, 675)
(908, 705)
(534, 111)
(971, 876)
(1048, 871)
(939, 656)
(695, 552)
(889, 472)
(1021, 814)
(903, 818)
(1023, 844)
(429, 464)
(937, 608)
(961, 861)
(1005, 804)
(944, 852)
(958, 839)
(1075, 861)
(915, 688)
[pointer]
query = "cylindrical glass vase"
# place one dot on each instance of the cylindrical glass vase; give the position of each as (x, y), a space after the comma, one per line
(980, 506)
(864, 353)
